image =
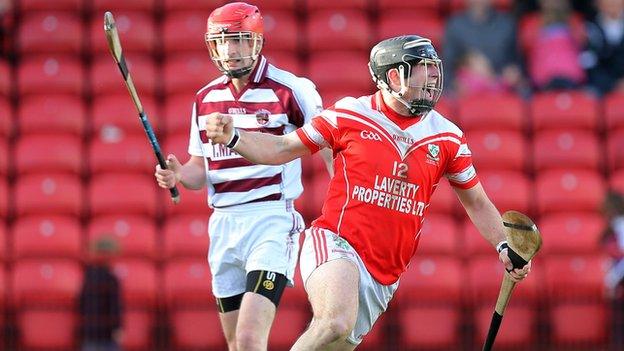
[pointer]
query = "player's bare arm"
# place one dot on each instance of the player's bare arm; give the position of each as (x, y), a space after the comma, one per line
(192, 174)
(488, 221)
(260, 148)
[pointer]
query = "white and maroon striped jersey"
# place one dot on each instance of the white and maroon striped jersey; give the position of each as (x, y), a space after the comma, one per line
(386, 167)
(274, 101)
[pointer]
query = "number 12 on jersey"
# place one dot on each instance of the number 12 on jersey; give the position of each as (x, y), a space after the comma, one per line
(399, 169)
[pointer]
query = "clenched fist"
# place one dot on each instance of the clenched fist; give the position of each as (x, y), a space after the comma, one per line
(219, 128)
(168, 178)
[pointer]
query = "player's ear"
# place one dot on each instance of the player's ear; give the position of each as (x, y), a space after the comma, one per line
(393, 77)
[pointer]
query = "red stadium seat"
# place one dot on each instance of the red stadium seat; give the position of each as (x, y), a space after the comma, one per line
(457, 5)
(338, 30)
(137, 329)
(138, 282)
(474, 243)
(45, 329)
(567, 331)
(179, 27)
(345, 71)
(38, 5)
(48, 194)
(530, 25)
(177, 144)
(311, 201)
(296, 297)
(136, 235)
(508, 189)
(569, 109)
(47, 236)
(177, 115)
(63, 154)
(446, 107)
(288, 325)
(495, 112)
(571, 233)
(193, 202)
(186, 236)
(205, 6)
(566, 149)
(286, 60)
(52, 113)
(188, 72)
(123, 153)
(136, 29)
(498, 149)
(139, 5)
(431, 279)
(116, 114)
(123, 193)
(429, 327)
(444, 199)
(616, 181)
(6, 124)
(517, 332)
(290, 5)
(5, 78)
(4, 198)
(46, 282)
(313, 166)
(50, 32)
(4, 157)
(568, 190)
(485, 274)
(3, 294)
(45, 74)
(188, 284)
(615, 150)
(430, 6)
(196, 329)
(332, 4)
(439, 235)
(4, 254)
(400, 22)
(614, 110)
(106, 79)
(281, 31)
(575, 277)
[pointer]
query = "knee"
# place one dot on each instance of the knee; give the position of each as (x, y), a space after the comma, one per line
(250, 340)
(337, 328)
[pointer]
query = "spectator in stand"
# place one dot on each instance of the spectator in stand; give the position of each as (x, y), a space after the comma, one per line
(5, 7)
(488, 32)
(553, 58)
(613, 242)
(475, 76)
(604, 54)
(100, 300)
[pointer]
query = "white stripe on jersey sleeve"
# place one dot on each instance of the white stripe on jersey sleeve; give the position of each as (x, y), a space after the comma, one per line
(259, 95)
(315, 136)
(195, 144)
(245, 172)
(462, 177)
(231, 198)
(331, 117)
(304, 91)
(463, 151)
(219, 95)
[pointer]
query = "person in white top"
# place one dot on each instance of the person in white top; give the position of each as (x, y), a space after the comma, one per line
(254, 230)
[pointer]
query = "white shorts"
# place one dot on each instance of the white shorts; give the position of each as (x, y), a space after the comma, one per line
(322, 245)
(250, 237)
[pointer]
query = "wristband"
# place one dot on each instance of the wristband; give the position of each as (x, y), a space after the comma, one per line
(502, 246)
(234, 140)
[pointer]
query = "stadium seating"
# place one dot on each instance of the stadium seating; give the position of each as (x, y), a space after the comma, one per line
(188, 284)
(568, 332)
(281, 31)
(614, 111)
(43, 74)
(474, 244)
(286, 60)
(4, 198)
(50, 32)
(137, 30)
(125, 153)
(51, 114)
(47, 236)
(530, 24)
(100, 6)
(508, 189)
(338, 30)
(136, 235)
(5, 78)
(195, 202)
(177, 115)
(137, 327)
(429, 327)
(400, 22)
(6, 124)
(53, 282)
(196, 328)
(106, 78)
(186, 73)
(340, 71)
(567, 149)
(185, 236)
(4, 157)
(615, 150)
(430, 6)
(4, 254)
(45, 329)
(48, 193)
(118, 193)
(568, 190)
(518, 331)
(575, 277)
(288, 325)
(502, 5)
(114, 115)
(439, 236)
(485, 274)
(202, 6)
(495, 112)
(616, 181)
(310, 203)
(571, 232)
(180, 26)
(315, 5)
(498, 149)
(444, 199)
(569, 109)
(56, 153)
(431, 280)
(138, 281)
(39, 5)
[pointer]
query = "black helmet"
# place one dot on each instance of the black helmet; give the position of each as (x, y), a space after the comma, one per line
(403, 53)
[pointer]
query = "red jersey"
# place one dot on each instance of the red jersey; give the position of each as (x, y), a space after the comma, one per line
(386, 167)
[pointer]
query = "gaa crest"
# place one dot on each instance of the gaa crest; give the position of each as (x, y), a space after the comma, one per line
(262, 117)
(433, 152)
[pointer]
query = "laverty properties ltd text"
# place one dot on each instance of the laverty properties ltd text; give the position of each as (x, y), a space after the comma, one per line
(393, 194)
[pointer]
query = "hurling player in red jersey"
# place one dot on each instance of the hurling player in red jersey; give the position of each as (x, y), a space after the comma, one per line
(390, 151)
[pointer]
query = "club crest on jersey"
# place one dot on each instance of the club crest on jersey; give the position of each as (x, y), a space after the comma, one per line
(433, 152)
(237, 111)
(262, 117)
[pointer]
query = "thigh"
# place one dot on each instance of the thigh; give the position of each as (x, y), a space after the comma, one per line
(256, 314)
(333, 290)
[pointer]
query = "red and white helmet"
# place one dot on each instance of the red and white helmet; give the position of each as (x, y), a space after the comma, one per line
(234, 38)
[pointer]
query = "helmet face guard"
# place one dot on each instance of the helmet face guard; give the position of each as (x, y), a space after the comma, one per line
(234, 53)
